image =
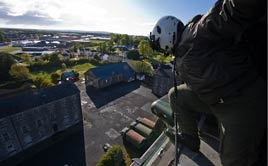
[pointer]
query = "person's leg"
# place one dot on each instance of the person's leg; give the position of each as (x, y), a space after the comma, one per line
(243, 121)
(187, 104)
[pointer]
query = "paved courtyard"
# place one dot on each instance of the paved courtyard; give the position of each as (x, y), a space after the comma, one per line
(103, 125)
(105, 114)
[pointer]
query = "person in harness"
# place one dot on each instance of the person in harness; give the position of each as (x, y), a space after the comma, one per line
(216, 63)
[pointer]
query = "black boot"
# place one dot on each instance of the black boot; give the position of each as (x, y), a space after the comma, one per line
(190, 141)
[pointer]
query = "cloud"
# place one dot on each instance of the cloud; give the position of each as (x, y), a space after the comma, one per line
(92, 15)
(24, 18)
(32, 18)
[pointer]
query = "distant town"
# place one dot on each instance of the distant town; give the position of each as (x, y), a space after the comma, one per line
(46, 55)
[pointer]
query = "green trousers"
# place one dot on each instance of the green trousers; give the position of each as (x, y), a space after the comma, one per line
(242, 117)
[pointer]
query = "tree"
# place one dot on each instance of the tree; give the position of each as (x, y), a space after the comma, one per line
(110, 48)
(19, 72)
(2, 36)
(41, 82)
(160, 58)
(63, 66)
(76, 46)
(145, 49)
(76, 74)
(103, 48)
(55, 76)
(135, 40)
(26, 58)
(115, 38)
(115, 156)
(6, 61)
(45, 57)
(97, 58)
(54, 59)
(133, 55)
(39, 60)
(124, 39)
(142, 67)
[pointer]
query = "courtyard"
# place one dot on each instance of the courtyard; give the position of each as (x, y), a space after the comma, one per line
(105, 113)
(121, 105)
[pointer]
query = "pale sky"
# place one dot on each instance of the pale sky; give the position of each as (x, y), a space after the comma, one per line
(133, 17)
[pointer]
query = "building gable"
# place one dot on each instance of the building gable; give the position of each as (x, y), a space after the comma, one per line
(107, 71)
(27, 100)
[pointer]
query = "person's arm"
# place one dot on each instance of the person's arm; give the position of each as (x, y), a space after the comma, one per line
(215, 33)
(227, 18)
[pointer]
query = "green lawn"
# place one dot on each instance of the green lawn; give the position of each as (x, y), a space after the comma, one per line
(9, 49)
(93, 47)
(46, 71)
(97, 41)
(80, 68)
(42, 73)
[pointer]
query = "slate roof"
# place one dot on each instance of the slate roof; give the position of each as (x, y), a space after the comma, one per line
(30, 99)
(68, 74)
(106, 71)
(121, 47)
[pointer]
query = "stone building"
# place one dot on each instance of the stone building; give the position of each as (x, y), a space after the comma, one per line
(31, 117)
(103, 76)
(163, 80)
(114, 58)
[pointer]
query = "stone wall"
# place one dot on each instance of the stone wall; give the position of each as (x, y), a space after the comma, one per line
(24, 129)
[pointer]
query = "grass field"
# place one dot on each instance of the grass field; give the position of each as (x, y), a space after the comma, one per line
(96, 41)
(9, 49)
(81, 68)
(46, 72)
(93, 47)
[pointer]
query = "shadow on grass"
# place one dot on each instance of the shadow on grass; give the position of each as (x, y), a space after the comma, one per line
(46, 68)
(101, 97)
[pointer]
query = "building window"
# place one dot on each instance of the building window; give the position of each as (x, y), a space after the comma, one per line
(55, 127)
(24, 129)
(19, 117)
(39, 123)
(41, 134)
(6, 136)
(53, 116)
(100, 83)
(11, 148)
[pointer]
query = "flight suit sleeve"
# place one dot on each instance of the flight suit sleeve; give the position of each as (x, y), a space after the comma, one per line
(227, 18)
(207, 44)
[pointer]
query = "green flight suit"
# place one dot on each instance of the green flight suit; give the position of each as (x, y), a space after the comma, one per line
(242, 117)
